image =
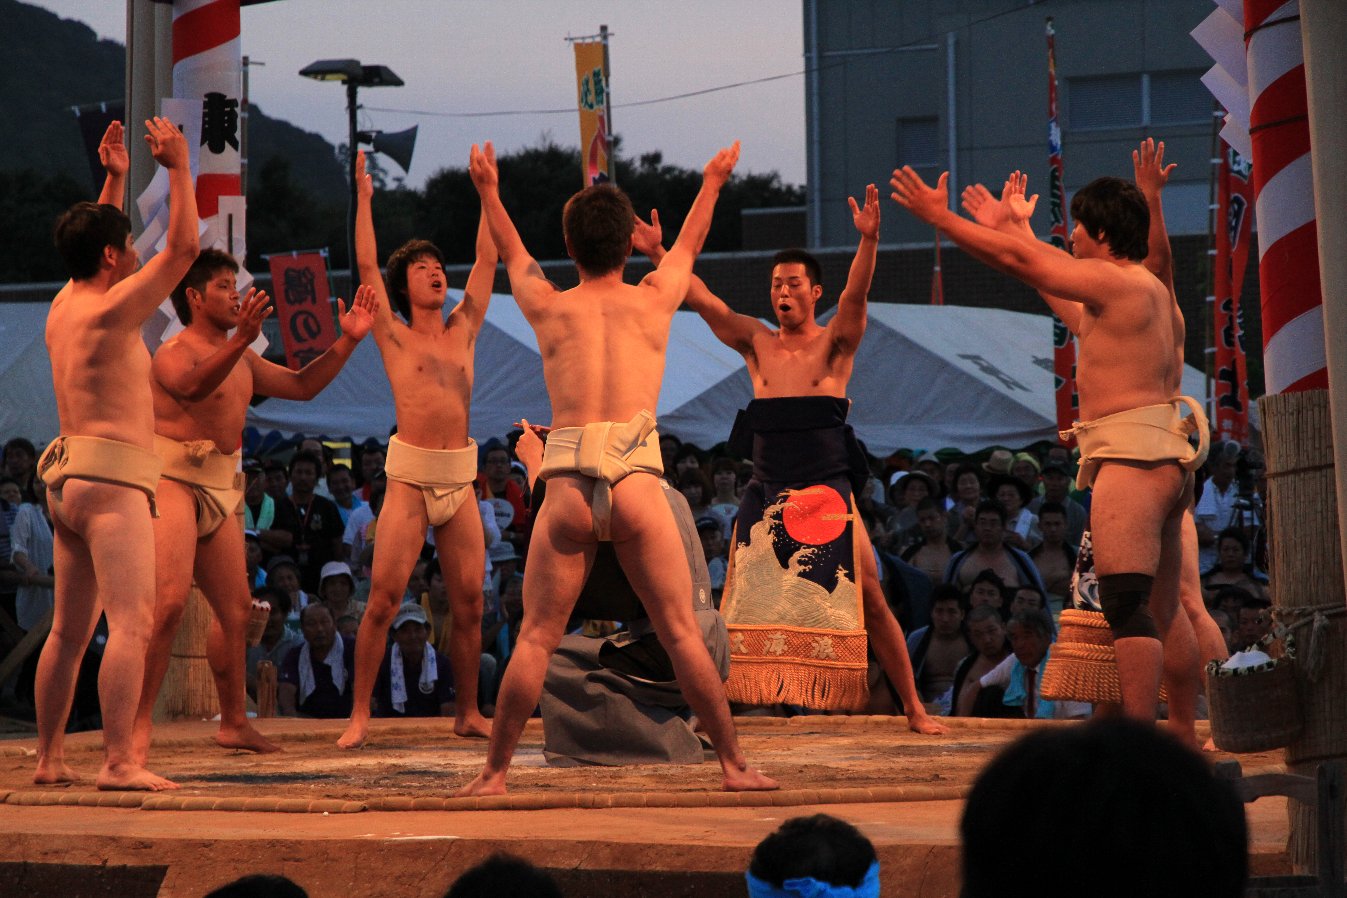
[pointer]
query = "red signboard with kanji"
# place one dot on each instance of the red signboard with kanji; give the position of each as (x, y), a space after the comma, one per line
(303, 302)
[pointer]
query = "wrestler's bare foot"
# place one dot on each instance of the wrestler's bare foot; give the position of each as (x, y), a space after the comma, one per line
(746, 779)
(51, 772)
(355, 734)
(245, 738)
(926, 725)
(474, 726)
(131, 778)
(483, 785)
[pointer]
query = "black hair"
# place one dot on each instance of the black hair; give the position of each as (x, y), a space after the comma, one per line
(812, 269)
(260, 885)
(1036, 620)
(22, 444)
(311, 457)
(82, 233)
(990, 506)
(822, 847)
(396, 272)
(598, 223)
(1105, 791)
(209, 262)
(1116, 210)
(1051, 508)
(278, 598)
(504, 876)
(946, 592)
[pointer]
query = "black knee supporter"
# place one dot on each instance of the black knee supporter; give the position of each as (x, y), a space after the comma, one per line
(1125, 600)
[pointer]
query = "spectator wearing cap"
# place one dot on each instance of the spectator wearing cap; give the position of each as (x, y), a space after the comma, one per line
(272, 519)
(999, 463)
(906, 491)
(315, 678)
(711, 532)
(336, 590)
(1021, 524)
(1057, 488)
(504, 565)
(414, 678)
(929, 464)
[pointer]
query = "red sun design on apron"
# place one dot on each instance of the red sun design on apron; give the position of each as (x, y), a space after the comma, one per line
(815, 515)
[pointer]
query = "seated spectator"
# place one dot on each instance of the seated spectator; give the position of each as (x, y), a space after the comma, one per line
(341, 484)
(1027, 598)
(277, 641)
(696, 488)
(371, 469)
(260, 885)
(668, 450)
(1026, 468)
(1011, 689)
(283, 573)
(1057, 484)
(358, 538)
(906, 493)
(277, 475)
(987, 633)
(32, 554)
(1232, 567)
(418, 583)
(336, 590)
(273, 520)
(318, 525)
(414, 679)
(711, 531)
(990, 551)
(1227, 628)
(814, 857)
(725, 500)
(685, 458)
(505, 495)
(1054, 558)
(987, 589)
(1021, 524)
(252, 557)
(1111, 809)
(1230, 599)
(348, 625)
(437, 615)
(930, 551)
(1254, 621)
(10, 491)
(504, 876)
(936, 650)
(21, 464)
(965, 496)
(504, 565)
(315, 678)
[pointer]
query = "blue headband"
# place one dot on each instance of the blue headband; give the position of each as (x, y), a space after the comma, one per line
(809, 887)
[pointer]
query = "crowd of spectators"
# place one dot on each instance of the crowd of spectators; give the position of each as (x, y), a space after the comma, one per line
(975, 554)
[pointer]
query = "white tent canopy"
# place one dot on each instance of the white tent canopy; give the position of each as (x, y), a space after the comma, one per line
(925, 377)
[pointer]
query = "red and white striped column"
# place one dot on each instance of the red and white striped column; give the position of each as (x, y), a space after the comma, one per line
(207, 68)
(1293, 325)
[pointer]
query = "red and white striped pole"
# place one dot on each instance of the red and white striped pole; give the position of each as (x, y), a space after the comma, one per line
(1288, 274)
(207, 68)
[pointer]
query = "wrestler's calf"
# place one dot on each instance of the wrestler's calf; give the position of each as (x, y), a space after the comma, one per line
(1125, 600)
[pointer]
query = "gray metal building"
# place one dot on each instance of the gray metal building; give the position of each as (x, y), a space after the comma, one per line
(963, 85)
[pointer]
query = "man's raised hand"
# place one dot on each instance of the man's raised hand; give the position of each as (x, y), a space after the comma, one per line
(648, 237)
(254, 309)
(112, 152)
(1018, 209)
(1148, 167)
(358, 320)
(167, 145)
(916, 196)
(482, 167)
(981, 206)
(364, 184)
(718, 170)
(866, 218)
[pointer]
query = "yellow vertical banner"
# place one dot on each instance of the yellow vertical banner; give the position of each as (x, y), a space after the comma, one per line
(591, 78)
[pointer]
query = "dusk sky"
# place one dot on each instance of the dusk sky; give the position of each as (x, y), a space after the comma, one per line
(510, 55)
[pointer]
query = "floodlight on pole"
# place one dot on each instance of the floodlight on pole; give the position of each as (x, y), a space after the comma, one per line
(354, 75)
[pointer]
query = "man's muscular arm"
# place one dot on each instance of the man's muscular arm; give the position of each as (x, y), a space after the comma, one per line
(115, 160)
(270, 379)
(135, 298)
(848, 325)
(188, 379)
(1011, 216)
(1042, 267)
(675, 269)
(527, 281)
(367, 250)
(1151, 174)
(477, 292)
(731, 328)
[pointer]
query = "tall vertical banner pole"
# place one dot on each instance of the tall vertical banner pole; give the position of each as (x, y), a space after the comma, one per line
(1234, 203)
(591, 80)
(1063, 343)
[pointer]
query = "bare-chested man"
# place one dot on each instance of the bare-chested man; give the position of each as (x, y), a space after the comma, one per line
(603, 346)
(203, 381)
(1134, 448)
(102, 472)
(432, 462)
(1186, 648)
(804, 359)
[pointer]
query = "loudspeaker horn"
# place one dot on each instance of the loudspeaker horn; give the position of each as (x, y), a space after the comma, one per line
(396, 145)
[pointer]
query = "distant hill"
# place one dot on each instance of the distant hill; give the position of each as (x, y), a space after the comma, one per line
(52, 64)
